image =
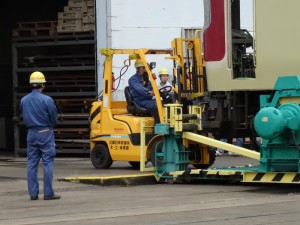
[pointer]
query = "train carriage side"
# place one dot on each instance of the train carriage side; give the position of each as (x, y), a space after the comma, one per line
(235, 76)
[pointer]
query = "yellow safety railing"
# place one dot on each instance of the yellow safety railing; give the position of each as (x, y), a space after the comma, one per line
(143, 159)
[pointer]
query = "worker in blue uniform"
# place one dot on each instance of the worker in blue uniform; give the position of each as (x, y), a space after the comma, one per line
(40, 116)
(141, 90)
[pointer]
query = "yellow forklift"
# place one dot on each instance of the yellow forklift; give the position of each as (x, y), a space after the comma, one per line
(116, 125)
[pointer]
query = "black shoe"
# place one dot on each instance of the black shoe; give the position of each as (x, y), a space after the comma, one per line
(34, 197)
(53, 197)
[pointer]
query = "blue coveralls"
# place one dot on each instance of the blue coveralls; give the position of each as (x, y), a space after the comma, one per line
(40, 116)
(140, 94)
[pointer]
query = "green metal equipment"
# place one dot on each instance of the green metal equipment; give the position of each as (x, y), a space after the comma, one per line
(278, 124)
(173, 153)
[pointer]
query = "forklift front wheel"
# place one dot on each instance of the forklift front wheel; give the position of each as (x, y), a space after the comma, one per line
(100, 157)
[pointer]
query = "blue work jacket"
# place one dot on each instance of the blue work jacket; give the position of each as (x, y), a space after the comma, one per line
(38, 110)
(137, 90)
(139, 93)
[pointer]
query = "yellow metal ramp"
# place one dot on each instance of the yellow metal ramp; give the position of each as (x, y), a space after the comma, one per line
(222, 145)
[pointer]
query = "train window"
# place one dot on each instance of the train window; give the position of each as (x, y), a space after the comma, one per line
(242, 39)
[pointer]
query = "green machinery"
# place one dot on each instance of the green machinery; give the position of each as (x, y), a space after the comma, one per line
(277, 123)
(180, 133)
(171, 153)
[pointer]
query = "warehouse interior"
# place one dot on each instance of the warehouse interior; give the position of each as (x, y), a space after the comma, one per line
(27, 45)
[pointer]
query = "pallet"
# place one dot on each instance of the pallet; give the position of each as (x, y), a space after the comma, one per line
(60, 64)
(76, 130)
(33, 29)
(72, 9)
(73, 105)
(33, 33)
(77, 3)
(36, 24)
(74, 101)
(71, 88)
(69, 15)
(58, 61)
(90, 3)
(73, 116)
(72, 148)
(91, 9)
(87, 18)
(58, 36)
(88, 27)
(73, 131)
(69, 29)
(70, 22)
(71, 79)
(72, 137)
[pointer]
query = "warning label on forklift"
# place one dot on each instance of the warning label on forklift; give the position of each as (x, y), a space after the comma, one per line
(119, 145)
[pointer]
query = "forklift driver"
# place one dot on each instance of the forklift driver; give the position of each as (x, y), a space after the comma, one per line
(142, 93)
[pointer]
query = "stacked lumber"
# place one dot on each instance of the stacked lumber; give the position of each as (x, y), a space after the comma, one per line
(78, 16)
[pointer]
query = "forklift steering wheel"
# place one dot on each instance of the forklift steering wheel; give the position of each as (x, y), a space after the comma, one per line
(166, 89)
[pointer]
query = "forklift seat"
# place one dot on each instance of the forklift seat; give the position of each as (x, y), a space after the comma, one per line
(134, 108)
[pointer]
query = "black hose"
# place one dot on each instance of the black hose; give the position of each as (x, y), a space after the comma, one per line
(118, 78)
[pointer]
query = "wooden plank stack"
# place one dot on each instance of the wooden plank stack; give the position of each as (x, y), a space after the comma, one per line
(78, 16)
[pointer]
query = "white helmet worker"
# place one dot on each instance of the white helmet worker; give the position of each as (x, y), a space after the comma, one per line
(37, 78)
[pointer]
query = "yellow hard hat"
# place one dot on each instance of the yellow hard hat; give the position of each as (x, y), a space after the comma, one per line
(138, 63)
(163, 71)
(37, 78)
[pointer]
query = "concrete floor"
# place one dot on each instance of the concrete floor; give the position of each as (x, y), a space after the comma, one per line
(206, 203)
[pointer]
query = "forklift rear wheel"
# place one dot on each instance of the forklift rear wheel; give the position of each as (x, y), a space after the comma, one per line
(100, 157)
(212, 158)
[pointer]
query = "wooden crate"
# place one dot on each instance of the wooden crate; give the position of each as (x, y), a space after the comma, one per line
(69, 9)
(68, 28)
(90, 9)
(69, 15)
(90, 3)
(77, 3)
(70, 22)
(88, 27)
(87, 18)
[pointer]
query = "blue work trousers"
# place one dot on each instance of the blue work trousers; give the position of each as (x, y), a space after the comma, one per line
(147, 103)
(40, 144)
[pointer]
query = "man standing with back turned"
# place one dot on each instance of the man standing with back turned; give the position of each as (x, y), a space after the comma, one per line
(40, 116)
